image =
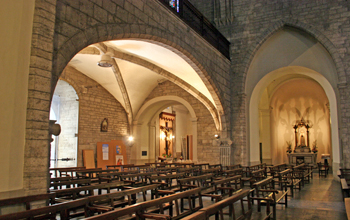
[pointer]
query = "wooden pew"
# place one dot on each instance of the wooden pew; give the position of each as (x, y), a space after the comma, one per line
(154, 209)
(65, 171)
(232, 167)
(54, 181)
(66, 210)
(240, 172)
(202, 165)
(113, 176)
(347, 206)
(265, 192)
(304, 172)
(204, 182)
(29, 201)
(274, 170)
(63, 195)
(344, 173)
(91, 174)
(184, 164)
(190, 171)
(215, 166)
(107, 202)
(166, 170)
(345, 187)
(71, 183)
(167, 182)
(217, 208)
(216, 171)
(252, 168)
(144, 168)
(137, 179)
(228, 186)
(257, 176)
(156, 164)
(287, 179)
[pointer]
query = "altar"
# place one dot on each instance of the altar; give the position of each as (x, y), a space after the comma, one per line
(299, 158)
(302, 152)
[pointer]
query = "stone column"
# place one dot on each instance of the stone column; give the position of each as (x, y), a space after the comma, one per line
(194, 122)
(36, 170)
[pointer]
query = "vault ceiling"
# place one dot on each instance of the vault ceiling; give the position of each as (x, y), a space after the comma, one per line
(139, 80)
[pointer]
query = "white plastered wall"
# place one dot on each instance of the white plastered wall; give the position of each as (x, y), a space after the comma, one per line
(16, 22)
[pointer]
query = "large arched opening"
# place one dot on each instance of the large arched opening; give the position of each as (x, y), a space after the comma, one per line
(129, 83)
(286, 57)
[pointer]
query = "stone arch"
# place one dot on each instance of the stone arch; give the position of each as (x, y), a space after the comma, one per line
(325, 42)
(71, 82)
(152, 107)
(329, 90)
(64, 28)
(152, 34)
(165, 98)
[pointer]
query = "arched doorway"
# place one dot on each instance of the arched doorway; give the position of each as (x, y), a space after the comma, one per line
(147, 127)
(289, 54)
(65, 110)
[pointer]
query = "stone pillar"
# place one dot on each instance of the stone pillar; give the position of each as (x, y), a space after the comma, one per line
(194, 122)
(36, 170)
(152, 142)
(239, 129)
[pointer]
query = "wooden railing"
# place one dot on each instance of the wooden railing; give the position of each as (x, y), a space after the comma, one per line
(195, 19)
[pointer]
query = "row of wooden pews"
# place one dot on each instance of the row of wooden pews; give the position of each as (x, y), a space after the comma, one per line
(163, 191)
(344, 175)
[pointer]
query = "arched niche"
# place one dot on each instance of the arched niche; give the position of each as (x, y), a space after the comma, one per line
(276, 77)
(145, 126)
(299, 116)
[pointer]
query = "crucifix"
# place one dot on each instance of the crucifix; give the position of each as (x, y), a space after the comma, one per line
(166, 131)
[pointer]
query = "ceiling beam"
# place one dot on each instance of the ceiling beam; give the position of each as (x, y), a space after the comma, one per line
(106, 50)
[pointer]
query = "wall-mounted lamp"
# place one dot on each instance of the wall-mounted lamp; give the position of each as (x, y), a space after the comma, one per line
(131, 138)
(106, 61)
(217, 136)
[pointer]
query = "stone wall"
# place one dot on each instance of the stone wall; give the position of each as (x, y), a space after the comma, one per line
(95, 104)
(63, 27)
(206, 127)
(255, 21)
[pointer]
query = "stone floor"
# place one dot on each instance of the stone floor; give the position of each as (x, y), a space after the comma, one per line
(320, 199)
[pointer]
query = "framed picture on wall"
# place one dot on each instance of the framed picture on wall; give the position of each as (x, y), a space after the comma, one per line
(104, 125)
(119, 159)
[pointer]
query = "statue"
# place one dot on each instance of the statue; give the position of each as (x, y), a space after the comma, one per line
(302, 140)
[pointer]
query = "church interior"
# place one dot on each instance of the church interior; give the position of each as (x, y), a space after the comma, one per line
(126, 94)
